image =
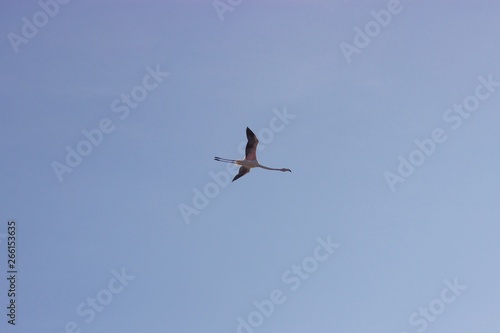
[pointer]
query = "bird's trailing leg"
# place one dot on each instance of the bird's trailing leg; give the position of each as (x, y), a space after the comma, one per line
(220, 159)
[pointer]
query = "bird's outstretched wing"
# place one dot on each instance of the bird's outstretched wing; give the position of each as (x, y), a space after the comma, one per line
(251, 149)
(243, 171)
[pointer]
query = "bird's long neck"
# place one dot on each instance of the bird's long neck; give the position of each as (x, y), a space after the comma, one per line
(267, 168)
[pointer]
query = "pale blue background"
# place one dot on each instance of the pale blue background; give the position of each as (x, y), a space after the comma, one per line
(120, 207)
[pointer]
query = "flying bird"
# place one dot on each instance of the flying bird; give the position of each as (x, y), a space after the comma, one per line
(250, 160)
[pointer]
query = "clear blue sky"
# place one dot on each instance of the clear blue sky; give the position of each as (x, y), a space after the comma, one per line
(162, 87)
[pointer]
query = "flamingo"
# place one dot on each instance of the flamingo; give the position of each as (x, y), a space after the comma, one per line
(250, 160)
